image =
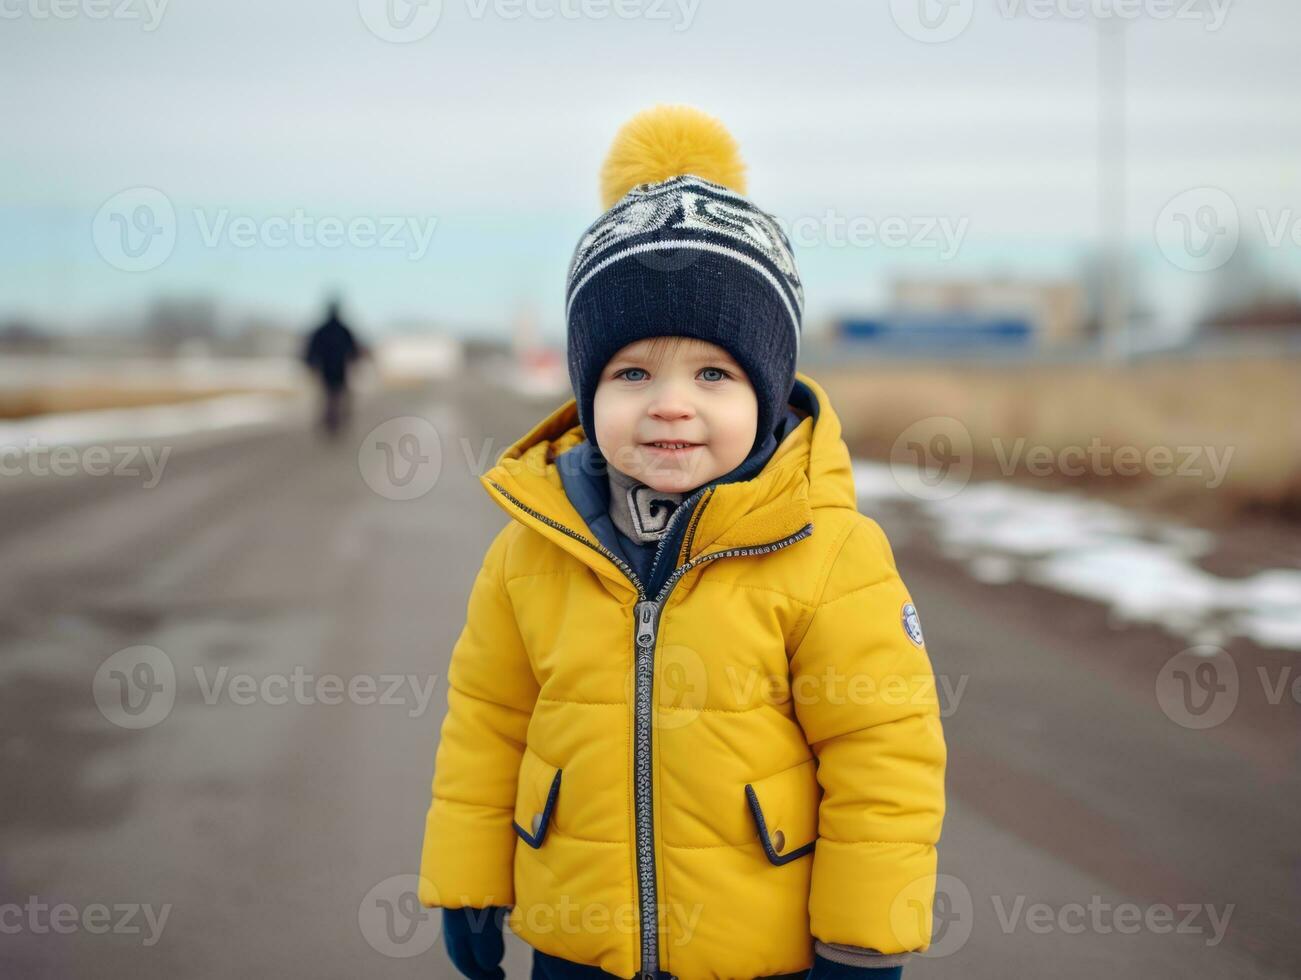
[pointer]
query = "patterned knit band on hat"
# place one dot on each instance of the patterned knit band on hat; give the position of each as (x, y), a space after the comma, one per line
(681, 251)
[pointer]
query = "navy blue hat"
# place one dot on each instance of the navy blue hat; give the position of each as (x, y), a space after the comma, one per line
(686, 257)
(681, 254)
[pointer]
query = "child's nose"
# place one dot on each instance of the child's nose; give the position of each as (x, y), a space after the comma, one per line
(670, 401)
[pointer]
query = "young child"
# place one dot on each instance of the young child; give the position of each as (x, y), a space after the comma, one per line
(692, 731)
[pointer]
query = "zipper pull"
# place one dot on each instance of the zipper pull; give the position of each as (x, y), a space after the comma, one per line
(645, 613)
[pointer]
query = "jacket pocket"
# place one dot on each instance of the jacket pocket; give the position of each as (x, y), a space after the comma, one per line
(535, 798)
(785, 810)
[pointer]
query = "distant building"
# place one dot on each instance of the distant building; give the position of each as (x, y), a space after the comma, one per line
(1264, 317)
(22, 337)
(975, 313)
(416, 357)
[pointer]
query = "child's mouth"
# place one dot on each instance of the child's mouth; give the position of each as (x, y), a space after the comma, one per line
(671, 449)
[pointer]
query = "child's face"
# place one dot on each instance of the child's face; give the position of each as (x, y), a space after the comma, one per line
(674, 389)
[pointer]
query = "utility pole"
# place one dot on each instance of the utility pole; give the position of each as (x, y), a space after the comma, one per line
(1114, 312)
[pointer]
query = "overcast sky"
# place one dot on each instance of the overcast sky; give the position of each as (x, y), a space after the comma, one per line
(477, 145)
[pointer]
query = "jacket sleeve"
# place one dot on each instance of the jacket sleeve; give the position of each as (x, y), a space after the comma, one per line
(864, 693)
(469, 844)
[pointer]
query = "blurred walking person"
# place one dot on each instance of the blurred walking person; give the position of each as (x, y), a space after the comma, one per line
(329, 352)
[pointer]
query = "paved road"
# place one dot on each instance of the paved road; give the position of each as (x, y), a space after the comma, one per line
(276, 837)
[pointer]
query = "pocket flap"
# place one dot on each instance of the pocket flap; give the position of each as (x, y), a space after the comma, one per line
(535, 798)
(785, 809)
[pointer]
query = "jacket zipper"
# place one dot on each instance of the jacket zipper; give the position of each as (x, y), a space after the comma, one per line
(646, 618)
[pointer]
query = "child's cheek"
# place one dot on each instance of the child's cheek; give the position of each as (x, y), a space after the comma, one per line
(613, 420)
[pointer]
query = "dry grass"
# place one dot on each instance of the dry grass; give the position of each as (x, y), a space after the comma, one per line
(1249, 408)
(39, 401)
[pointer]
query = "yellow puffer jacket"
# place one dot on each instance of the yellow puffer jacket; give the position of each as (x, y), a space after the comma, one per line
(698, 782)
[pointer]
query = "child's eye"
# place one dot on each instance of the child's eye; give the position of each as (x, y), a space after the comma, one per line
(624, 372)
(718, 370)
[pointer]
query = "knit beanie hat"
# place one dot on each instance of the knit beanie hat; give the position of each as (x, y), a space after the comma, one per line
(681, 251)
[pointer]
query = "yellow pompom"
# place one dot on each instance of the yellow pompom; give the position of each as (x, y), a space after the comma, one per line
(664, 141)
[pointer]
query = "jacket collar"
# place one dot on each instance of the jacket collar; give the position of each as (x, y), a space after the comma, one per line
(810, 468)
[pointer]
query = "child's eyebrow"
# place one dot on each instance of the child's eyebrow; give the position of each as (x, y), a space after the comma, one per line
(698, 358)
(712, 356)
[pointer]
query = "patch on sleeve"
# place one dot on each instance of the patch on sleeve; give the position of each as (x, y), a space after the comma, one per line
(912, 623)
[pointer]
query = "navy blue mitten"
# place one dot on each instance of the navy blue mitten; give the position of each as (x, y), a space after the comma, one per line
(474, 941)
(825, 969)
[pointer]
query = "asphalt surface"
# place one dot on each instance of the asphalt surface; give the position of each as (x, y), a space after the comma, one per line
(255, 828)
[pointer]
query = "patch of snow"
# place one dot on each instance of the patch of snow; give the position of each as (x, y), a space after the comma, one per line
(137, 424)
(1144, 570)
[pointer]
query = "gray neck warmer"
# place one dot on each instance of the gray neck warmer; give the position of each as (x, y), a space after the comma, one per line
(640, 512)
